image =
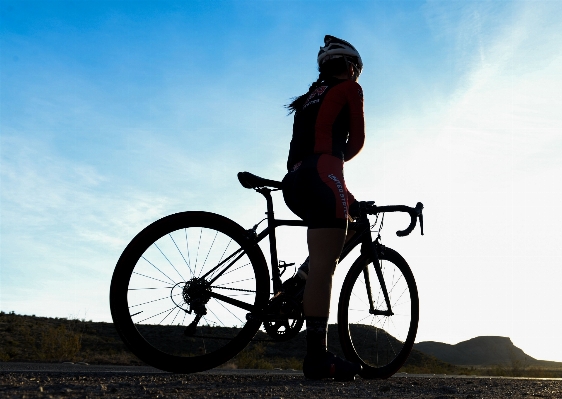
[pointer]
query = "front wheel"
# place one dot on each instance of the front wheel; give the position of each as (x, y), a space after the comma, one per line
(182, 288)
(369, 334)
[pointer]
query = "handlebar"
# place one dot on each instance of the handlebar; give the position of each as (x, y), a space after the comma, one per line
(415, 214)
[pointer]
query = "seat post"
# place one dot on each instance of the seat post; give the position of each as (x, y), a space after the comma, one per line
(275, 277)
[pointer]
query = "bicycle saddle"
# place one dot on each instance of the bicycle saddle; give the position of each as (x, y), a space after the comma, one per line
(249, 180)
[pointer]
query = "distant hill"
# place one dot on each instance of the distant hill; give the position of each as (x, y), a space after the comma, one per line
(33, 339)
(483, 351)
(417, 362)
(30, 338)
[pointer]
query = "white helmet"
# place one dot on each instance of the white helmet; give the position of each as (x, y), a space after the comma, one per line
(338, 48)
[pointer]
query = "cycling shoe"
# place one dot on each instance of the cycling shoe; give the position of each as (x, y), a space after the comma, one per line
(293, 286)
(330, 366)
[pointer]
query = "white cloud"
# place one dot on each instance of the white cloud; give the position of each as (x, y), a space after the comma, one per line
(487, 166)
(63, 225)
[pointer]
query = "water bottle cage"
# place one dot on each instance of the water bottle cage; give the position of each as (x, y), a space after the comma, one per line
(283, 266)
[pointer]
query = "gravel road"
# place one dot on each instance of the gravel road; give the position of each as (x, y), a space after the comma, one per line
(261, 384)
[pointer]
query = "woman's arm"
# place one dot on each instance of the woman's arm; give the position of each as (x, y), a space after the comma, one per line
(356, 137)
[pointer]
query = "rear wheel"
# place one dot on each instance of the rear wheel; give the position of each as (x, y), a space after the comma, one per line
(380, 342)
(182, 288)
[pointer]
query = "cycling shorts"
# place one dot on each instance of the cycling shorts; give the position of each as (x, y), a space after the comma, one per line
(315, 191)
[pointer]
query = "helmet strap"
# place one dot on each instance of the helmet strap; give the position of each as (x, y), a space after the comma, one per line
(347, 63)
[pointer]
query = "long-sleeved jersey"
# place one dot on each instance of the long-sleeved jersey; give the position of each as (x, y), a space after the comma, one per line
(331, 122)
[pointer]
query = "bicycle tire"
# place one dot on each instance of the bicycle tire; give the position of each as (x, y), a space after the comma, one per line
(149, 283)
(380, 343)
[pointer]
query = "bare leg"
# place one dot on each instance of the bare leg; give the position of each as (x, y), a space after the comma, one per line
(324, 247)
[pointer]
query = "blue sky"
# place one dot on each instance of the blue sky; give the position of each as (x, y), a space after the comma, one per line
(114, 114)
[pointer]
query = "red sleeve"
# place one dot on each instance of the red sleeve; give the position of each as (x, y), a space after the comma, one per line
(357, 120)
(346, 93)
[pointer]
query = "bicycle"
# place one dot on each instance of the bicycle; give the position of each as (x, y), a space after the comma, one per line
(193, 324)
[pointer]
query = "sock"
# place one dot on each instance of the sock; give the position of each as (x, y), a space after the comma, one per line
(316, 335)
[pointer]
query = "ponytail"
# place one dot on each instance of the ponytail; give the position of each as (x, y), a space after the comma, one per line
(328, 68)
(299, 101)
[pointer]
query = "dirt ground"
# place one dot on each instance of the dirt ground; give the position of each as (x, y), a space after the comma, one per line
(260, 385)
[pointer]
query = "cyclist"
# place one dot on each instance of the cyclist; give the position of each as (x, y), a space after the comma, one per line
(328, 130)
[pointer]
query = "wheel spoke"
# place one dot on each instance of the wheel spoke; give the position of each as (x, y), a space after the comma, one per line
(225, 249)
(382, 342)
(187, 249)
(229, 311)
(154, 300)
(157, 314)
(152, 278)
(183, 320)
(209, 251)
(178, 312)
(233, 282)
(171, 264)
(219, 320)
(176, 245)
(216, 272)
(403, 292)
(235, 269)
(197, 253)
(153, 265)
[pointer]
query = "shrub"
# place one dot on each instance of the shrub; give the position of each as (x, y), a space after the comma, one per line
(58, 343)
(253, 358)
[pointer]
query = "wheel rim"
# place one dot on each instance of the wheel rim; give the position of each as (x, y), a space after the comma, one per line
(382, 342)
(172, 283)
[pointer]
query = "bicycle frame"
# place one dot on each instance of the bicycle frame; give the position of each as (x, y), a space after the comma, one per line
(361, 236)
(226, 295)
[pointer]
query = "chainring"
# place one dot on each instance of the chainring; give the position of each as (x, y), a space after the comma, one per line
(285, 318)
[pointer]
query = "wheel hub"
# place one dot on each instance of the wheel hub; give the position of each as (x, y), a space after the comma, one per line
(196, 294)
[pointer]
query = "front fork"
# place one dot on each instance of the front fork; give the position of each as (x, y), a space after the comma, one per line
(368, 248)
